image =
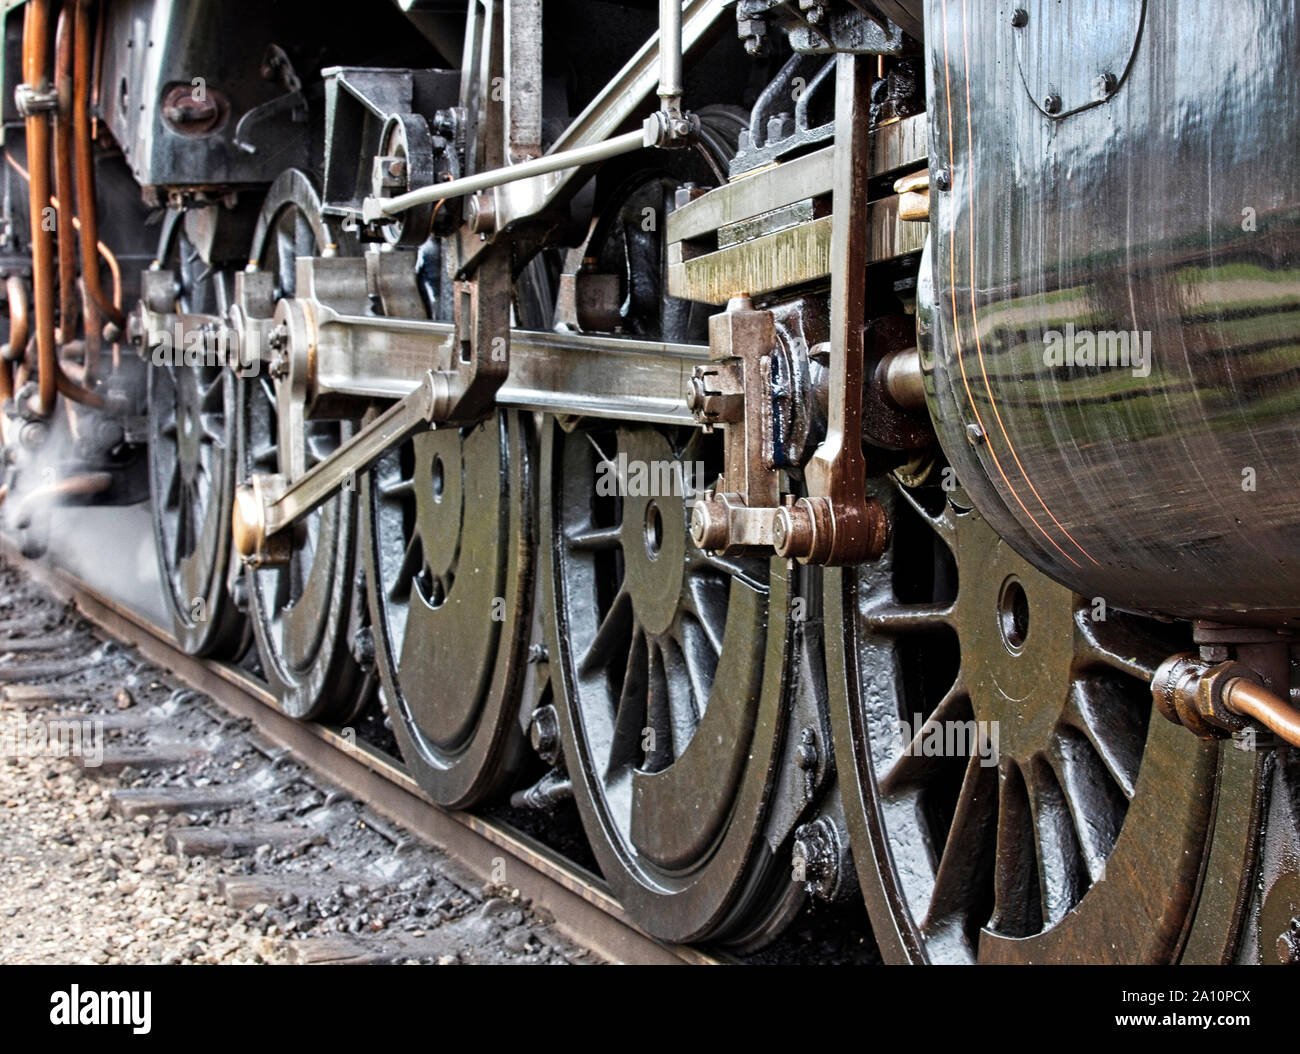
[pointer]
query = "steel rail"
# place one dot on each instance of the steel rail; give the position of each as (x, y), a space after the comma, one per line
(583, 907)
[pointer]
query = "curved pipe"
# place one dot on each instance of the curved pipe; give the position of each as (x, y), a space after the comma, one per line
(77, 393)
(19, 319)
(63, 175)
(85, 165)
(1255, 701)
(71, 486)
(17, 346)
(36, 27)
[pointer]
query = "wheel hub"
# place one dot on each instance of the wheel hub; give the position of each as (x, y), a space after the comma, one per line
(1016, 633)
(439, 511)
(188, 427)
(653, 532)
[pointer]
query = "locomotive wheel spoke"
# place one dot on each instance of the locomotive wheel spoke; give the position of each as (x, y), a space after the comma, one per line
(305, 611)
(957, 880)
(192, 473)
(658, 655)
(916, 764)
(1006, 806)
(448, 543)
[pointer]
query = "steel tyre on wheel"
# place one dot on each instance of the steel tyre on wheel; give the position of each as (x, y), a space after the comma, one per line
(192, 471)
(1011, 796)
(671, 675)
(449, 539)
(307, 613)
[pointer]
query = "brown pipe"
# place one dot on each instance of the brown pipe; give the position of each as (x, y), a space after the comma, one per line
(13, 351)
(63, 188)
(1253, 700)
(36, 27)
(71, 486)
(78, 394)
(19, 319)
(85, 164)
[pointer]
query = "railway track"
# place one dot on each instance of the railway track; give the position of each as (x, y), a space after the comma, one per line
(582, 907)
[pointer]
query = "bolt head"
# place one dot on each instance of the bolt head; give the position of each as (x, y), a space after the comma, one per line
(1052, 104)
(544, 733)
(1020, 18)
(694, 394)
(708, 525)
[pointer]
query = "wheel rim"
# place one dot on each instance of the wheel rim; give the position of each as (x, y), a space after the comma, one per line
(192, 475)
(448, 547)
(670, 685)
(1030, 808)
(303, 612)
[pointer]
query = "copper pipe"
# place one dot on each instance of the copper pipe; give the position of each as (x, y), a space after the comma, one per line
(63, 188)
(70, 486)
(105, 252)
(19, 319)
(85, 163)
(18, 331)
(78, 394)
(1255, 701)
(36, 27)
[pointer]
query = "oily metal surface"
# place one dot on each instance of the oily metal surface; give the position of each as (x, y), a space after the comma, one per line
(1163, 218)
(302, 612)
(1010, 796)
(449, 546)
(669, 670)
(192, 476)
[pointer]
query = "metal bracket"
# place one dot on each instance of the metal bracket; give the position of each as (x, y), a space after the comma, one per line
(729, 391)
(30, 100)
(837, 523)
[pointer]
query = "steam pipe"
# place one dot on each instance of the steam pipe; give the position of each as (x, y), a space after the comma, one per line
(1212, 700)
(63, 189)
(1249, 699)
(70, 486)
(13, 351)
(19, 319)
(78, 393)
(36, 27)
(85, 164)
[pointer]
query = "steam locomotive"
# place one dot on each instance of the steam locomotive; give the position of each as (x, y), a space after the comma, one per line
(842, 445)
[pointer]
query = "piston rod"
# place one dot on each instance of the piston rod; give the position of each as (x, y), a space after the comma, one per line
(670, 56)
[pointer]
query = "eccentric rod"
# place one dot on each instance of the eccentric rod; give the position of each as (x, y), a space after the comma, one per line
(374, 209)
